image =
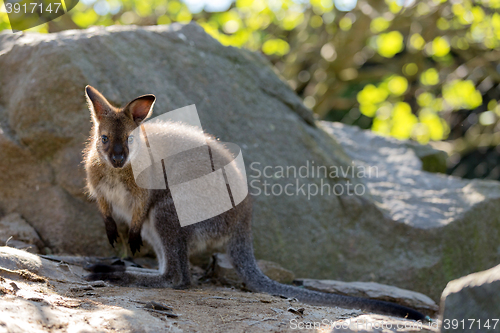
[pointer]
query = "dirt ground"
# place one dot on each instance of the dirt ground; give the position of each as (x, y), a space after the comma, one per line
(62, 301)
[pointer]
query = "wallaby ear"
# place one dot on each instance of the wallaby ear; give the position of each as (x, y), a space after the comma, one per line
(98, 104)
(141, 108)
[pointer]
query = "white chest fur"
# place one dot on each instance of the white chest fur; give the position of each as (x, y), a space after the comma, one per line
(115, 192)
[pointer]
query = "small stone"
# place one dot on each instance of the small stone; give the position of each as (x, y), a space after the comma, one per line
(299, 311)
(98, 284)
(81, 288)
(14, 286)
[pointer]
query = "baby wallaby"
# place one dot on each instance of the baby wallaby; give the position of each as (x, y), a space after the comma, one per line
(151, 214)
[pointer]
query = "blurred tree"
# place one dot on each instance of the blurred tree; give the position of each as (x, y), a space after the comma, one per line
(425, 70)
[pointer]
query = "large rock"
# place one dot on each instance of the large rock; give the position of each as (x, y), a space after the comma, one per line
(402, 230)
(473, 298)
(444, 226)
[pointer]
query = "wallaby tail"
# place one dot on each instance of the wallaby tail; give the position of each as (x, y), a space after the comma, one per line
(240, 250)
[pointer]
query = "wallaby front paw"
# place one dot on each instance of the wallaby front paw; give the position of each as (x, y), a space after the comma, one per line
(111, 230)
(115, 278)
(182, 286)
(104, 268)
(135, 240)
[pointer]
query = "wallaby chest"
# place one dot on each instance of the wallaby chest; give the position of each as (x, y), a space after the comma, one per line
(119, 194)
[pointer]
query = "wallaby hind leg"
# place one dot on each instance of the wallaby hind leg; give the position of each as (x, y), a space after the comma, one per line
(240, 251)
(177, 261)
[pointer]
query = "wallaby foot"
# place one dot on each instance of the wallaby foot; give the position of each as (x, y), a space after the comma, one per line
(132, 276)
(135, 240)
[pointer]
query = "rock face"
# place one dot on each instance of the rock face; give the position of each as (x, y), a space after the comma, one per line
(407, 227)
(445, 225)
(472, 297)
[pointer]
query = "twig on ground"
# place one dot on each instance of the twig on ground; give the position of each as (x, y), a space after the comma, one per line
(25, 274)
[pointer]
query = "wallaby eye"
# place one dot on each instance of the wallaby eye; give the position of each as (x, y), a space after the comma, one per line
(104, 139)
(130, 139)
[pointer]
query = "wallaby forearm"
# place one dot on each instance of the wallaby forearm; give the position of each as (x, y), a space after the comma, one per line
(110, 224)
(139, 215)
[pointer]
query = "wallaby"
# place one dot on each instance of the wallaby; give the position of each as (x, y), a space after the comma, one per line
(151, 214)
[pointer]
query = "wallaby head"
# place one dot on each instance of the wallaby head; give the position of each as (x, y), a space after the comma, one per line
(113, 126)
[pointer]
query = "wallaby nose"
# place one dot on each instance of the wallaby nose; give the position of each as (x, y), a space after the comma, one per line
(118, 159)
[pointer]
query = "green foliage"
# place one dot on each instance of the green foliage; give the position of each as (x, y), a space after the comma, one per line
(460, 94)
(389, 44)
(405, 68)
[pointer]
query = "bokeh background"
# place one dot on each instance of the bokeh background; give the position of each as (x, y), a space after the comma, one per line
(426, 70)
